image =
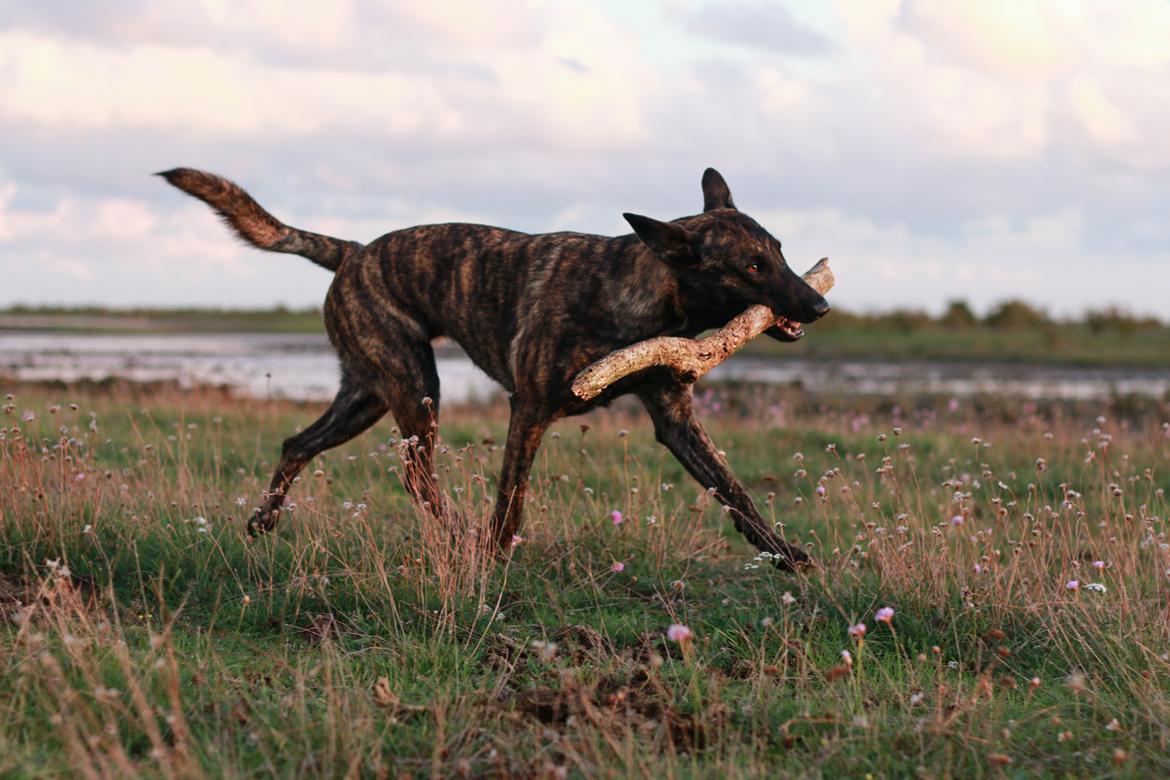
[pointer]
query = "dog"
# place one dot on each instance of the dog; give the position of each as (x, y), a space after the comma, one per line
(531, 310)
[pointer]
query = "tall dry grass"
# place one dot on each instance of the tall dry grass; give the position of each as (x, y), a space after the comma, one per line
(147, 636)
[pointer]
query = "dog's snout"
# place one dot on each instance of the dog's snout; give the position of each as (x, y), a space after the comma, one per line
(821, 308)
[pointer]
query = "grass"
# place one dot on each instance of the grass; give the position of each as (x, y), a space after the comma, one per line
(144, 635)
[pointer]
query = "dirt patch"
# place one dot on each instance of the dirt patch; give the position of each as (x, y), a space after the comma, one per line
(791, 663)
(576, 642)
(13, 593)
(73, 592)
(655, 645)
(321, 629)
(639, 705)
(582, 642)
(549, 706)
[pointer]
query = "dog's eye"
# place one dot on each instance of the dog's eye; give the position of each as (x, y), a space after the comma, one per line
(753, 267)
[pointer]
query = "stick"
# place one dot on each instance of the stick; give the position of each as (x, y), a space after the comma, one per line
(690, 358)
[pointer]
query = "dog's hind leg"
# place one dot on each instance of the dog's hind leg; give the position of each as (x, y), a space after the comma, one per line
(391, 352)
(413, 397)
(354, 410)
(676, 426)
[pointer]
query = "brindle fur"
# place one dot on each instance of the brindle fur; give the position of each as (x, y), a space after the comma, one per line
(531, 311)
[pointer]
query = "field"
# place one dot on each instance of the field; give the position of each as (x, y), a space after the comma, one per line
(1021, 548)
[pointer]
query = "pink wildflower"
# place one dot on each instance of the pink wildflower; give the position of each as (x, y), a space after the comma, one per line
(617, 518)
(857, 631)
(618, 567)
(1072, 585)
(679, 633)
(884, 615)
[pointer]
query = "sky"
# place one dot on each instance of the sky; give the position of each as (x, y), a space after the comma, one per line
(933, 150)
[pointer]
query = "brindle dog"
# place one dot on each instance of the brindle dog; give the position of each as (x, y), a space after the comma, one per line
(531, 311)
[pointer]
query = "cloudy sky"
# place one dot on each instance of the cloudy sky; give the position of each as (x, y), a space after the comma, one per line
(933, 150)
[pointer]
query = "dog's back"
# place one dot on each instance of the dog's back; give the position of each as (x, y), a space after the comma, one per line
(486, 288)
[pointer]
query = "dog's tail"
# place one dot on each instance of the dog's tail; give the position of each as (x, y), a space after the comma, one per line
(255, 225)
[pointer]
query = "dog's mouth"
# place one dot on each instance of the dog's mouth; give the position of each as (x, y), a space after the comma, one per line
(790, 328)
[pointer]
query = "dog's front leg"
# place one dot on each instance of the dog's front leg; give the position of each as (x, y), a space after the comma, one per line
(525, 430)
(676, 426)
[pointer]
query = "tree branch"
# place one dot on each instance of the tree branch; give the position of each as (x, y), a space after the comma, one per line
(690, 358)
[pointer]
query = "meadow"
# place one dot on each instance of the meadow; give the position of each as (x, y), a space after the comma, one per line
(990, 598)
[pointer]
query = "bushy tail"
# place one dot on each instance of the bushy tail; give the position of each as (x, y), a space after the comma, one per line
(255, 225)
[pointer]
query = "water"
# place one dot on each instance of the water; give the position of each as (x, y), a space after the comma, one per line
(296, 366)
(842, 377)
(303, 367)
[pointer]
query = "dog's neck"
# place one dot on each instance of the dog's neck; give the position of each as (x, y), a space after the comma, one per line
(646, 301)
(703, 306)
(677, 306)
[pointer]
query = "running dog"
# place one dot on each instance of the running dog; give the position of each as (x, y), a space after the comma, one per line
(531, 311)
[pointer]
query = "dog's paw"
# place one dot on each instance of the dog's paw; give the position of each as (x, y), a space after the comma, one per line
(789, 557)
(261, 522)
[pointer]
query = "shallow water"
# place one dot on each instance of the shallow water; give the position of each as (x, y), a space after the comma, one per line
(303, 367)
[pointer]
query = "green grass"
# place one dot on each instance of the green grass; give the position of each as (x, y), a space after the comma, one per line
(365, 638)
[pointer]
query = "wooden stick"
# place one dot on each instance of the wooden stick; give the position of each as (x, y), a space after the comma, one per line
(690, 358)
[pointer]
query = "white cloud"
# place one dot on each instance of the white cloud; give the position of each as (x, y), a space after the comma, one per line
(1043, 259)
(1012, 40)
(1104, 121)
(54, 82)
(573, 86)
(933, 149)
(923, 63)
(1002, 80)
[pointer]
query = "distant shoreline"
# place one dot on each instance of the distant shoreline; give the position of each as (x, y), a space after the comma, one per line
(1107, 341)
(304, 366)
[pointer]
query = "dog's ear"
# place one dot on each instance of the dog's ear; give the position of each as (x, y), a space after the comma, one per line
(716, 193)
(668, 240)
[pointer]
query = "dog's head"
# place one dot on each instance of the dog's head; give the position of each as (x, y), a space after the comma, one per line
(725, 262)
